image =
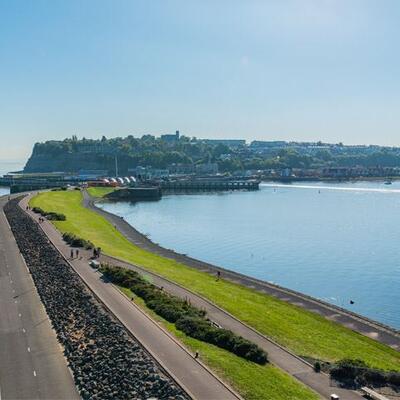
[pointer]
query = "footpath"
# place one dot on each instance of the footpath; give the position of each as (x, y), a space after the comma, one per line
(194, 377)
(355, 322)
(277, 355)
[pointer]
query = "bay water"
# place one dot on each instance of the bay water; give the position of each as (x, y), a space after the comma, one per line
(336, 242)
(9, 166)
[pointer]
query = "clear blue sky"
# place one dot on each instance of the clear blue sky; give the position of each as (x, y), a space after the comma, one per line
(270, 69)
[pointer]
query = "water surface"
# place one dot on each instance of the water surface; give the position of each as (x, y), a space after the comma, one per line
(337, 242)
(9, 166)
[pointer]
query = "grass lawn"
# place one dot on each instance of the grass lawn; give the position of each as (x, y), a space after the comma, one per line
(252, 381)
(100, 191)
(303, 332)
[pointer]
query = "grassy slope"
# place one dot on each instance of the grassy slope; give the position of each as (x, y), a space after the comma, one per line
(253, 381)
(100, 191)
(303, 332)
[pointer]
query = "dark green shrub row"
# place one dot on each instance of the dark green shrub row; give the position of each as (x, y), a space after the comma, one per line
(359, 372)
(202, 329)
(169, 307)
(76, 241)
(52, 216)
(58, 189)
(186, 317)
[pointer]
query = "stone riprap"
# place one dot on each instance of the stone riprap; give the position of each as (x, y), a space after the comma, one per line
(106, 362)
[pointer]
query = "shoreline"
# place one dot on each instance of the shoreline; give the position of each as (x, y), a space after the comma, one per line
(356, 322)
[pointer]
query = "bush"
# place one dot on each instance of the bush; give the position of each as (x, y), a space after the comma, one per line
(359, 372)
(317, 366)
(50, 215)
(201, 329)
(186, 317)
(76, 241)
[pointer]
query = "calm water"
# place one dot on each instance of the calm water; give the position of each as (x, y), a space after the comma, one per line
(334, 242)
(9, 166)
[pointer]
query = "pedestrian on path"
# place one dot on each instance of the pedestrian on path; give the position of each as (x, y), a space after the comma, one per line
(72, 254)
(77, 253)
(196, 356)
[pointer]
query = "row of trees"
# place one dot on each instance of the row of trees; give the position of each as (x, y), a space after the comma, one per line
(149, 150)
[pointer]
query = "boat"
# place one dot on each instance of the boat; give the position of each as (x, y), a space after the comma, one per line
(388, 182)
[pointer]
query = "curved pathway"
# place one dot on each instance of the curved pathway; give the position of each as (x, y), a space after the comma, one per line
(355, 322)
(194, 377)
(279, 356)
(32, 365)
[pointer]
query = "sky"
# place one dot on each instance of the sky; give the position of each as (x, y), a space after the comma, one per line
(267, 70)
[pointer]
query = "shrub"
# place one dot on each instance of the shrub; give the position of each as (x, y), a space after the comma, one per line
(76, 241)
(201, 329)
(186, 317)
(359, 372)
(317, 366)
(50, 215)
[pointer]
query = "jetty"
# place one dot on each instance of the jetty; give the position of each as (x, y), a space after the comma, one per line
(210, 184)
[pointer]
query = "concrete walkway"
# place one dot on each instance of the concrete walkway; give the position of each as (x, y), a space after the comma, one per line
(279, 356)
(32, 365)
(196, 379)
(355, 322)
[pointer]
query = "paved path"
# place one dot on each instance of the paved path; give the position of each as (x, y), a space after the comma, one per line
(32, 365)
(355, 322)
(191, 374)
(276, 354)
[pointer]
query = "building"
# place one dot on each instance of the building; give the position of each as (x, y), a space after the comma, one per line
(147, 173)
(260, 144)
(208, 169)
(171, 138)
(86, 174)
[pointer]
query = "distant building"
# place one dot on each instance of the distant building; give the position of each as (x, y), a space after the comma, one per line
(209, 168)
(171, 138)
(146, 173)
(286, 173)
(181, 169)
(88, 174)
(257, 144)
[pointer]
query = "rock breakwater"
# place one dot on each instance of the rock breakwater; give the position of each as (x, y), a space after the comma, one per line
(106, 362)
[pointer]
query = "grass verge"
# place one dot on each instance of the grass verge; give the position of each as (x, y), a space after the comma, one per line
(303, 332)
(99, 192)
(252, 381)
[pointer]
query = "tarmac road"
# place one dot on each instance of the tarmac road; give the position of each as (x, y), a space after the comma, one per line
(197, 380)
(32, 365)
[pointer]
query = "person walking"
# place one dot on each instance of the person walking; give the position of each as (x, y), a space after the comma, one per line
(218, 275)
(72, 254)
(77, 253)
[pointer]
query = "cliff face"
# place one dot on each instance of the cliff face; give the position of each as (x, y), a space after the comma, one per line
(67, 162)
(58, 156)
(72, 155)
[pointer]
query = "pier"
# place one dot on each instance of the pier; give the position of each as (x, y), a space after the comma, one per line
(210, 184)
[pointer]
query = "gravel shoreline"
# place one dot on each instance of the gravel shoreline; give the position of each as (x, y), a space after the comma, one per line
(106, 362)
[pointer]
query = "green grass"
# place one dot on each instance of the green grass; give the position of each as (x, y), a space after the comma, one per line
(99, 192)
(252, 381)
(303, 332)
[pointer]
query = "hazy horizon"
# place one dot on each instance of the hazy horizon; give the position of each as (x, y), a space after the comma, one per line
(294, 70)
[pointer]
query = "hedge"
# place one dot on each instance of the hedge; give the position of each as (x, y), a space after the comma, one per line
(360, 373)
(76, 241)
(50, 215)
(187, 318)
